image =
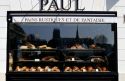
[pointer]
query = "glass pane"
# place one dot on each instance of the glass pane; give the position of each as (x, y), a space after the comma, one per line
(64, 47)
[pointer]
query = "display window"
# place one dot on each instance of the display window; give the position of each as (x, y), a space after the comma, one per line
(62, 43)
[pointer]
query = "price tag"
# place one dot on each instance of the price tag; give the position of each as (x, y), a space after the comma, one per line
(73, 59)
(36, 60)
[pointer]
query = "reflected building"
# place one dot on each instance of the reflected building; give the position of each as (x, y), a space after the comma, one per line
(58, 41)
(16, 33)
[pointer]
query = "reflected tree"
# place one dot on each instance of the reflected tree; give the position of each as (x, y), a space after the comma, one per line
(100, 39)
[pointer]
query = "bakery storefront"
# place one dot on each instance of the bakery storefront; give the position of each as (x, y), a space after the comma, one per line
(62, 45)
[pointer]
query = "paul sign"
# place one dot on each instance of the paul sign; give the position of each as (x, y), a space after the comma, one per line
(61, 5)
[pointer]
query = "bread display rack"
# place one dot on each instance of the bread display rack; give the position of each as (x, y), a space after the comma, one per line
(42, 59)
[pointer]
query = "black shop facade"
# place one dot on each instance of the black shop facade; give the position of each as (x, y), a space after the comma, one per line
(61, 45)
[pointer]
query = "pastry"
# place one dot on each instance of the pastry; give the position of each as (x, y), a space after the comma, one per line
(98, 68)
(55, 69)
(27, 69)
(76, 69)
(90, 69)
(31, 46)
(73, 47)
(93, 46)
(24, 68)
(49, 48)
(68, 69)
(23, 47)
(18, 68)
(43, 46)
(32, 69)
(83, 69)
(77, 46)
(104, 69)
(47, 69)
(97, 59)
(39, 69)
(52, 59)
(49, 58)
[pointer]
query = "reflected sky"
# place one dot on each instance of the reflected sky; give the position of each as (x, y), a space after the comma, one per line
(45, 31)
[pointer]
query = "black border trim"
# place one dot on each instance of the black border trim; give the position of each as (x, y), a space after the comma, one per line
(63, 13)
